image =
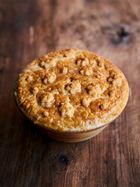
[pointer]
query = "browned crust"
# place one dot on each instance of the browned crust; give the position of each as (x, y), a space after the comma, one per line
(72, 90)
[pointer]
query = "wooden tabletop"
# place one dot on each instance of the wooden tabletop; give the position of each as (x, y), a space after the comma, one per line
(32, 28)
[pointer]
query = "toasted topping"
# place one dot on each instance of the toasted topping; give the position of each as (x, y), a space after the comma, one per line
(35, 90)
(86, 101)
(42, 64)
(75, 87)
(112, 74)
(100, 64)
(45, 113)
(117, 82)
(29, 78)
(82, 72)
(112, 93)
(94, 91)
(55, 92)
(66, 99)
(104, 106)
(65, 70)
(110, 79)
(53, 62)
(68, 87)
(93, 63)
(67, 110)
(48, 100)
(45, 80)
(78, 62)
(89, 71)
(85, 62)
(51, 77)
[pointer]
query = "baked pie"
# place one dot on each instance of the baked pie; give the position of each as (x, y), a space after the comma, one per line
(72, 90)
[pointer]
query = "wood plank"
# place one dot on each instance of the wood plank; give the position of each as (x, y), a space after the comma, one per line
(32, 28)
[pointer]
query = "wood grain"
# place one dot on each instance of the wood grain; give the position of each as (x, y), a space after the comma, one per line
(31, 28)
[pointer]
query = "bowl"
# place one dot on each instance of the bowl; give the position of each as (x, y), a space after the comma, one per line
(71, 137)
(68, 136)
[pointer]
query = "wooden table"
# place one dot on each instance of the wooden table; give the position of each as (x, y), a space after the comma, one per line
(31, 28)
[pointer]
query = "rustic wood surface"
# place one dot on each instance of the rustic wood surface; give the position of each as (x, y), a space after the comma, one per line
(31, 28)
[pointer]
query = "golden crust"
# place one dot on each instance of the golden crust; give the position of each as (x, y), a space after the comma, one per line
(72, 90)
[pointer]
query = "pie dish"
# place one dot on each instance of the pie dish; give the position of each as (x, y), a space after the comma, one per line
(73, 94)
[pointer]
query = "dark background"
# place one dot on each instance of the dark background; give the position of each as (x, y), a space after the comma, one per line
(30, 28)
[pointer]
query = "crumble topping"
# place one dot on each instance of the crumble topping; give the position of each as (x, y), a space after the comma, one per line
(65, 70)
(51, 77)
(67, 109)
(86, 101)
(75, 87)
(48, 100)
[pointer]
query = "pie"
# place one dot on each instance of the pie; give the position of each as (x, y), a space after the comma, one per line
(72, 90)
